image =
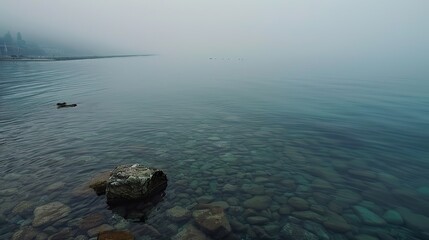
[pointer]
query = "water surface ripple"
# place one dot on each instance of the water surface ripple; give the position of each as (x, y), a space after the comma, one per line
(335, 157)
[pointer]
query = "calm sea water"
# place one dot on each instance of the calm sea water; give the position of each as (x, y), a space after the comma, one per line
(339, 156)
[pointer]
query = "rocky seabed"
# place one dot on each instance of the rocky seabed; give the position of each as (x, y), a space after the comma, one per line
(220, 189)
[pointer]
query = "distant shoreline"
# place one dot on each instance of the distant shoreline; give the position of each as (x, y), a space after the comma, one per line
(26, 59)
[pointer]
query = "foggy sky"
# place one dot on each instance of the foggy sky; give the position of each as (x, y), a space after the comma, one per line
(303, 30)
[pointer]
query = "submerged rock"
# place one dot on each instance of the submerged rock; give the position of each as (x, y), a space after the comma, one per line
(423, 191)
(8, 191)
(414, 220)
(213, 221)
(253, 189)
(363, 174)
(257, 220)
(260, 232)
(293, 231)
(25, 233)
(365, 237)
(65, 233)
(393, 217)
(412, 199)
(99, 182)
(229, 188)
(237, 226)
(147, 230)
(368, 217)
(190, 232)
(285, 210)
(258, 202)
(325, 173)
(221, 204)
(205, 199)
(50, 213)
(317, 229)
(134, 182)
(102, 228)
(298, 203)
(347, 196)
(178, 213)
(55, 186)
(336, 223)
(308, 215)
(322, 185)
(92, 220)
(22, 207)
(272, 229)
(115, 235)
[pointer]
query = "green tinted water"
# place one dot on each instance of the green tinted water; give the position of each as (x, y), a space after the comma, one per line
(338, 156)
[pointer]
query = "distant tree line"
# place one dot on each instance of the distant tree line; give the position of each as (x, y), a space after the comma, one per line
(18, 46)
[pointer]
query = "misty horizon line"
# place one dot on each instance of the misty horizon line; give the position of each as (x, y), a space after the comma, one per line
(19, 46)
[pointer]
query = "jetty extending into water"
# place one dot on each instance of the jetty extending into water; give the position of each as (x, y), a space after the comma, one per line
(28, 58)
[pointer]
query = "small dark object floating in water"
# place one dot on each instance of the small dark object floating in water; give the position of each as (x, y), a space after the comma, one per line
(64, 104)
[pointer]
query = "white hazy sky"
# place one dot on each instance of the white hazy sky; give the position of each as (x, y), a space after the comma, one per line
(303, 29)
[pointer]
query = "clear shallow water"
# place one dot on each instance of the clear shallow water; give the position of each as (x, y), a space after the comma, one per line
(222, 131)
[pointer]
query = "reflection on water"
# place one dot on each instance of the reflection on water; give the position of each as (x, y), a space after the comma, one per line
(286, 155)
(137, 211)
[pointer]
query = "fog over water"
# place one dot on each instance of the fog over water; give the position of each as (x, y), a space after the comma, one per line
(391, 34)
(281, 119)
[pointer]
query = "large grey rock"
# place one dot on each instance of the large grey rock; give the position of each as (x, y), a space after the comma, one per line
(134, 182)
